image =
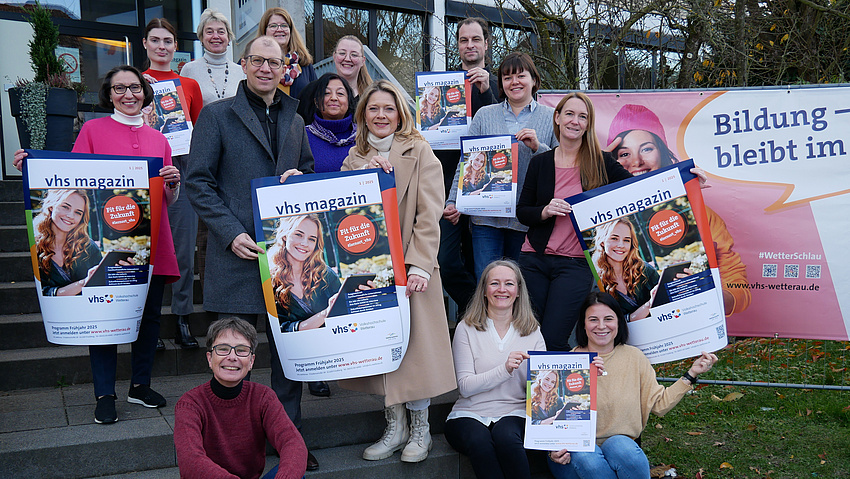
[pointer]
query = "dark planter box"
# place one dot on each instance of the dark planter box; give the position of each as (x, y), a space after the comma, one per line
(61, 113)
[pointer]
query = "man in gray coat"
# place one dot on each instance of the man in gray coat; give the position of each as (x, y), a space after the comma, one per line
(251, 135)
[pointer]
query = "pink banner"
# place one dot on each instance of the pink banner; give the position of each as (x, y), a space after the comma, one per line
(778, 200)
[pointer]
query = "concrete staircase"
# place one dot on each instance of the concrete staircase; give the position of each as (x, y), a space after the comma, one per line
(47, 403)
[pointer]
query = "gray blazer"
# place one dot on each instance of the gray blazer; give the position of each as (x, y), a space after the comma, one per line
(229, 149)
(490, 120)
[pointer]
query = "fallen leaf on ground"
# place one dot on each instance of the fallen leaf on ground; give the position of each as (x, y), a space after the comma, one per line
(726, 465)
(694, 433)
(732, 397)
(718, 443)
(751, 427)
(659, 426)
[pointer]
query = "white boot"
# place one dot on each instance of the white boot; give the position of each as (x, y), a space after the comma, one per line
(395, 435)
(420, 438)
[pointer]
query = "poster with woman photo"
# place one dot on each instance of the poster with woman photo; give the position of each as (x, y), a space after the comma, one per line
(443, 108)
(648, 244)
(488, 176)
(166, 114)
(333, 273)
(561, 401)
(90, 222)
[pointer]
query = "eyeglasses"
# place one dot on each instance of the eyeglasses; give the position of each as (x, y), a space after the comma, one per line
(121, 89)
(277, 26)
(224, 349)
(353, 55)
(257, 61)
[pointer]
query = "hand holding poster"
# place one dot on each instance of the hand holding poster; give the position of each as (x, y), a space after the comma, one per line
(167, 115)
(92, 225)
(443, 108)
(333, 273)
(648, 244)
(561, 402)
(488, 177)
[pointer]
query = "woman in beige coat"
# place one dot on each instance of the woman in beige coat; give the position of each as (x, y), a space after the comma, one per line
(386, 138)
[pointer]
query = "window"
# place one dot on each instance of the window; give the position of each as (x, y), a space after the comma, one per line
(400, 46)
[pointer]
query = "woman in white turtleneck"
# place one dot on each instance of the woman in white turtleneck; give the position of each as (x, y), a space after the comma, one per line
(387, 138)
(217, 76)
(125, 134)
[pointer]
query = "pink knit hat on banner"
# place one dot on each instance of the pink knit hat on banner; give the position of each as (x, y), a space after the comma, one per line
(635, 117)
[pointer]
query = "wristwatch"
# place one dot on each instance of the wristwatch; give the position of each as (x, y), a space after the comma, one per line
(690, 378)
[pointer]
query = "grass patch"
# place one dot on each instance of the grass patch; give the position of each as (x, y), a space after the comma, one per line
(759, 432)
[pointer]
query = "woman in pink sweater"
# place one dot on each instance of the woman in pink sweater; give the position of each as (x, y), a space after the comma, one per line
(490, 345)
(625, 396)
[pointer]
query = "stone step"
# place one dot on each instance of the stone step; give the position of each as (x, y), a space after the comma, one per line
(19, 297)
(12, 213)
(15, 266)
(12, 190)
(14, 238)
(44, 430)
(68, 365)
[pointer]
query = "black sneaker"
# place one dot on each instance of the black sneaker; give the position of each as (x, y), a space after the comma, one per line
(105, 413)
(144, 395)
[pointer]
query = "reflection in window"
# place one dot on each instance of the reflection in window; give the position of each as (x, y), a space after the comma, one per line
(89, 59)
(340, 21)
(309, 16)
(400, 45)
(122, 12)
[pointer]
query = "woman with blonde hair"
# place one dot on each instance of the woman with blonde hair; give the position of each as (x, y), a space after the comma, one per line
(545, 401)
(489, 348)
(475, 177)
(430, 109)
(350, 63)
(305, 289)
(298, 70)
(387, 138)
(624, 275)
(67, 257)
(552, 258)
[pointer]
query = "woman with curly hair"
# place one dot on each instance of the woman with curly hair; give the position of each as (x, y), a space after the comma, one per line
(475, 177)
(430, 111)
(305, 289)
(67, 257)
(624, 275)
(545, 402)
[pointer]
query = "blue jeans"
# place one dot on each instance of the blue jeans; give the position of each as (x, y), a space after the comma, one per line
(490, 244)
(619, 457)
(104, 358)
(273, 472)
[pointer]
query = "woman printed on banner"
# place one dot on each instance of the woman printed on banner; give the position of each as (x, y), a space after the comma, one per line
(431, 111)
(636, 138)
(67, 256)
(475, 177)
(624, 275)
(305, 288)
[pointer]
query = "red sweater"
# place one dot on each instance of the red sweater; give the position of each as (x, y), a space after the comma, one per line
(191, 90)
(220, 438)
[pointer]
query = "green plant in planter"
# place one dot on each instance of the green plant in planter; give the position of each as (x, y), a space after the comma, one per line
(49, 71)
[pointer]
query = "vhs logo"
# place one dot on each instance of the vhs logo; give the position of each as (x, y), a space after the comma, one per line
(106, 298)
(345, 328)
(675, 314)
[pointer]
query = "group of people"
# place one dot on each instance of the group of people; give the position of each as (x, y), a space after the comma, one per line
(528, 288)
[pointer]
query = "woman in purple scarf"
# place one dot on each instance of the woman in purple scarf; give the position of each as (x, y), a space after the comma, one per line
(327, 107)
